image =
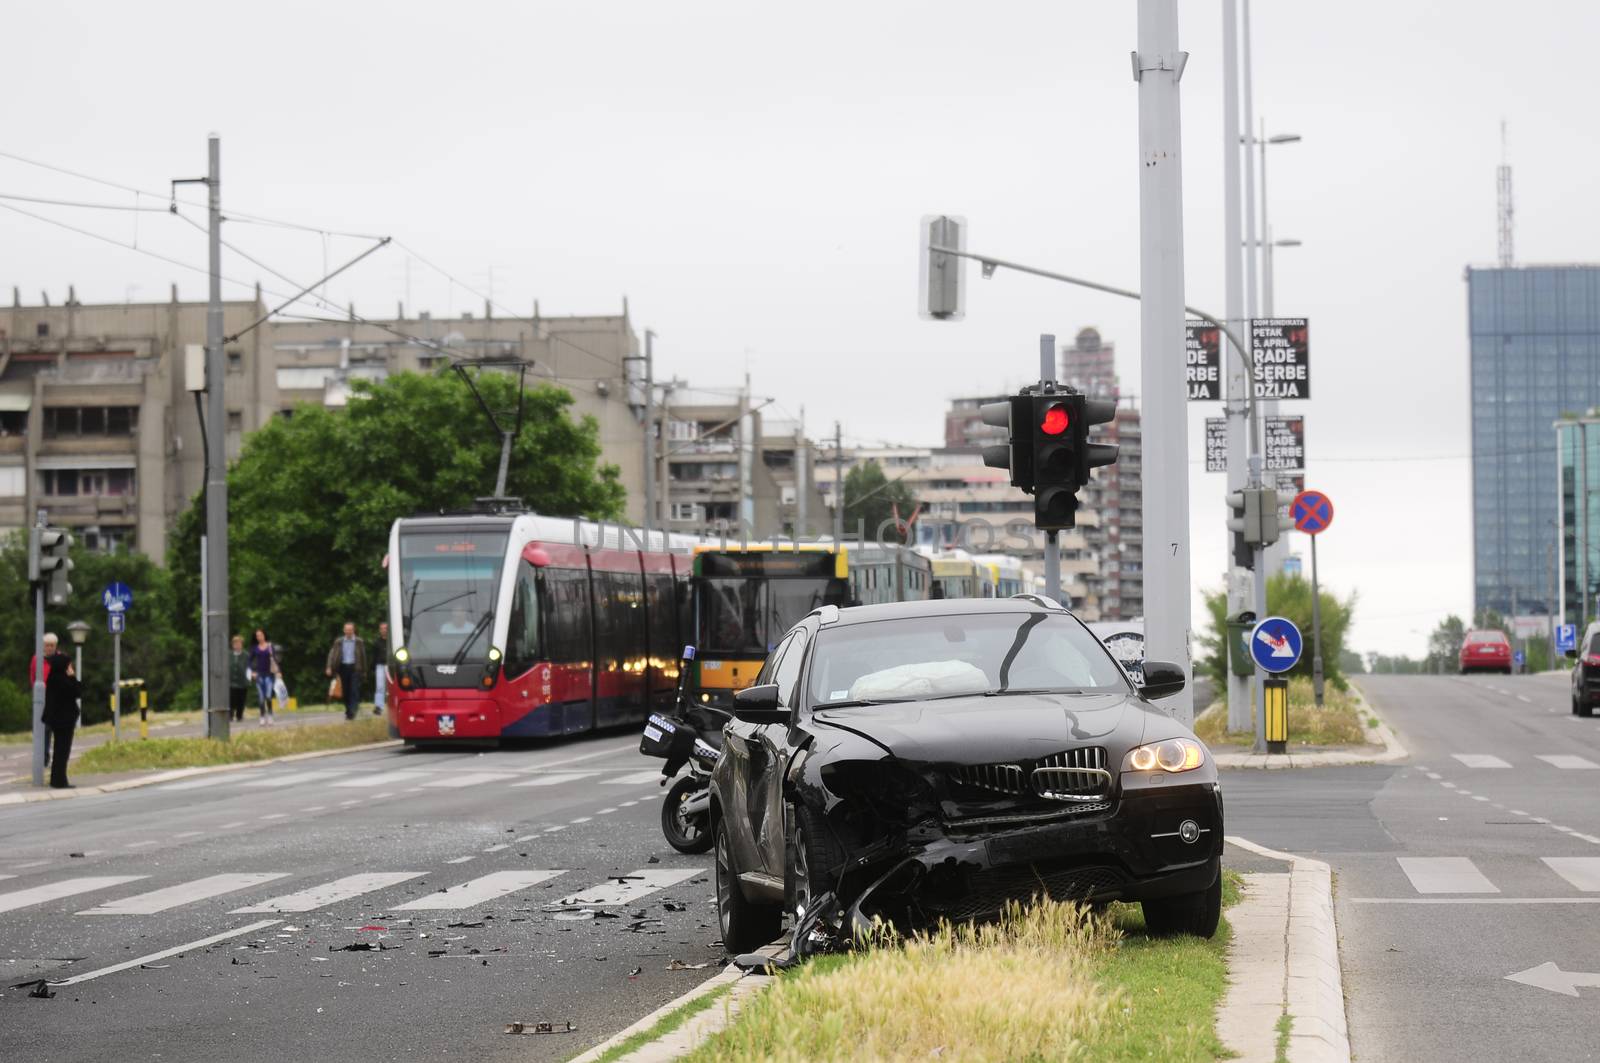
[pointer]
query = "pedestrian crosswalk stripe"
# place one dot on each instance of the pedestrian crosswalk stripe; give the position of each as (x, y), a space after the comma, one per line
(1445, 874)
(623, 889)
(384, 778)
(1568, 761)
(468, 778)
(555, 778)
(8, 876)
(1480, 760)
(185, 893)
(341, 889)
(478, 891)
(53, 891)
(634, 778)
(293, 778)
(1582, 871)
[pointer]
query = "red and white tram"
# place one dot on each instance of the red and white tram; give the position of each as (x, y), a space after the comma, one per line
(521, 625)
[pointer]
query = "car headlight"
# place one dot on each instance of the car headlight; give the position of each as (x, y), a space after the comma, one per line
(1173, 755)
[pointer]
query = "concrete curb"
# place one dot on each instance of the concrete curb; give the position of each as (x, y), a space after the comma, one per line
(1312, 989)
(685, 1038)
(1393, 749)
(27, 797)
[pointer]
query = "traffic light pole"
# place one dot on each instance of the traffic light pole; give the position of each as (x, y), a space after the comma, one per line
(1052, 538)
(1316, 627)
(38, 670)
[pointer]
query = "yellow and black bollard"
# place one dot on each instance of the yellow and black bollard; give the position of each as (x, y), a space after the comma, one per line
(144, 713)
(1275, 700)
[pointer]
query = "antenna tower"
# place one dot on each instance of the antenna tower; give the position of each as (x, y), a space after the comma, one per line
(1503, 183)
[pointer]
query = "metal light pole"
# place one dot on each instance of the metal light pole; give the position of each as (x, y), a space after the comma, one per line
(1275, 553)
(1158, 67)
(1239, 383)
(79, 631)
(649, 433)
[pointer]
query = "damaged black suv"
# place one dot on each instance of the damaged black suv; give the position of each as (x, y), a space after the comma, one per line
(940, 759)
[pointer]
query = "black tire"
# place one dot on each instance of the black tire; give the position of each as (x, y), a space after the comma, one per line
(813, 849)
(685, 835)
(1585, 709)
(1187, 913)
(745, 926)
(1574, 704)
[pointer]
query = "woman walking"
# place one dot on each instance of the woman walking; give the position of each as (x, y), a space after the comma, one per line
(238, 677)
(264, 666)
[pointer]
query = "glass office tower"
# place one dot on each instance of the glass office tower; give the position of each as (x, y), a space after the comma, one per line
(1534, 333)
(1578, 517)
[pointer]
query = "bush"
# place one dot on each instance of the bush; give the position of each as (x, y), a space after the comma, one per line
(1288, 597)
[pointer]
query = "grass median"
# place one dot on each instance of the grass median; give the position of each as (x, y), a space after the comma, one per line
(1337, 723)
(1050, 983)
(243, 747)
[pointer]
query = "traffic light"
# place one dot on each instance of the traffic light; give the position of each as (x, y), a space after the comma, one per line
(1016, 453)
(1254, 520)
(48, 563)
(1063, 457)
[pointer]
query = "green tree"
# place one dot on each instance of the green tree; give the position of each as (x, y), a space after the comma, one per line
(151, 647)
(1444, 646)
(871, 498)
(1288, 596)
(312, 497)
(1350, 662)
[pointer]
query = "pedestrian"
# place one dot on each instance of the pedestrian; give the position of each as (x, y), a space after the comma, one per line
(238, 677)
(348, 655)
(61, 690)
(264, 668)
(380, 675)
(50, 644)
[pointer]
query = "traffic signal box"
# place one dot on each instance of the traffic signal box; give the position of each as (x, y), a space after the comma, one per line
(1254, 520)
(48, 563)
(1048, 449)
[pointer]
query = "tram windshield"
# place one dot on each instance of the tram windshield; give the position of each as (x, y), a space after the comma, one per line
(448, 581)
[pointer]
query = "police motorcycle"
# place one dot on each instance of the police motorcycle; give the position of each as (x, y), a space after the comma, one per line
(691, 734)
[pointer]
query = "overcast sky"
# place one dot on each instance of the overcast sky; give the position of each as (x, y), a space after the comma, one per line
(751, 181)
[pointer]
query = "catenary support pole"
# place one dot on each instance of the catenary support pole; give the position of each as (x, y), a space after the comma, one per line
(1316, 627)
(1238, 381)
(1158, 67)
(649, 433)
(216, 469)
(838, 485)
(116, 685)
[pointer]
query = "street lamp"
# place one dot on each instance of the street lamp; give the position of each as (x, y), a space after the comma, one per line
(1267, 242)
(80, 634)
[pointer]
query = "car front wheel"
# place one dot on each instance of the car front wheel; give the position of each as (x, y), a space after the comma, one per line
(1187, 913)
(745, 926)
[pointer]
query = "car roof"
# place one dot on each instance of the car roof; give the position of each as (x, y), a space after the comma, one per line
(865, 614)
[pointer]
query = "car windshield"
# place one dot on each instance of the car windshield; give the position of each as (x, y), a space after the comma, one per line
(447, 587)
(957, 655)
(1487, 636)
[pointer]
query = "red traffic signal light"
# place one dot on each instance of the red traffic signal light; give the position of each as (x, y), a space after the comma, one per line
(1055, 420)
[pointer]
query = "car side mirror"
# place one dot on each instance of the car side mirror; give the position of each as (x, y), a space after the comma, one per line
(759, 705)
(1572, 655)
(1161, 679)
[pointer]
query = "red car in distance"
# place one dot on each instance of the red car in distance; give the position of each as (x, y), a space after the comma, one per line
(1486, 651)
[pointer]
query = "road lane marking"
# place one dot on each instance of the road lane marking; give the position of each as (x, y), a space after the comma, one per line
(1582, 871)
(10, 902)
(1568, 761)
(1475, 900)
(352, 801)
(314, 808)
(633, 778)
(582, 819)
(30, 863)
(341, 889)
(1448, 785)
(496, 848)
(558, 826)
(1445, 874)
(605, 811)
(276, 815)
(1435, 776)
(189, 834)
(1518, 812)
(1526, 700)
(478, 891)
(196, 784)
(609, 751)
(185, 893)
(459, 860)
(141, 845)
(556, 778)
(468, 778)
(382, 778)
(1480, 760)
(248, 928)
(614, 892)
(272, 782)
(1480, 797)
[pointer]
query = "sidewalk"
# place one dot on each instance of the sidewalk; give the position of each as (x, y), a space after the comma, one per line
(16, 761)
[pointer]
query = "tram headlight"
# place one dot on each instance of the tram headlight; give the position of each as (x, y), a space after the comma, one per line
(402, 655)
(492, 669)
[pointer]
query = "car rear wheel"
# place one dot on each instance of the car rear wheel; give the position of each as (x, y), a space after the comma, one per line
(745, 926)
(1187, 913)
(1583, 708)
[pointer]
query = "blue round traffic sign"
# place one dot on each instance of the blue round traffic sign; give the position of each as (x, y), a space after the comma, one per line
(117, 597)
(1275, 644)
(1312, 512)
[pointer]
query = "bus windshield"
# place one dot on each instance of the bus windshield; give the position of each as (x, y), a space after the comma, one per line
(447, 592)
(749, 615)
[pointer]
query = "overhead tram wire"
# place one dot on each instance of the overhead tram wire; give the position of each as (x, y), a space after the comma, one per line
(87, 206)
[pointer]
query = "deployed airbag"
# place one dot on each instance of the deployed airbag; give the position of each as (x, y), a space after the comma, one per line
(925, 679)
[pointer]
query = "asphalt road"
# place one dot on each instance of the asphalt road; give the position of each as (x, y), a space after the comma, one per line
(279, 869)
(1476, 860)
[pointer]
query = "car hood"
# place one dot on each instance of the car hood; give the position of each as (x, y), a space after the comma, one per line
(982, 730)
